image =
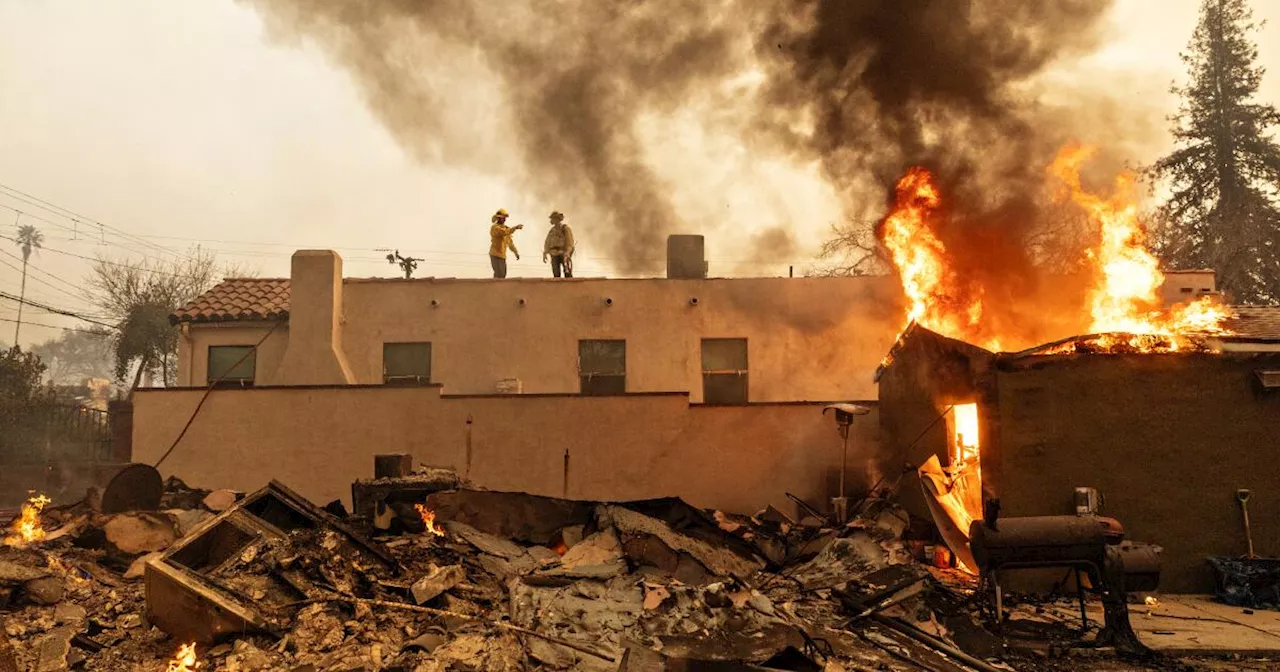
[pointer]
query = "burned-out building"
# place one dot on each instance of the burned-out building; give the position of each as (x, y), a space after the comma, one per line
(1167, 440)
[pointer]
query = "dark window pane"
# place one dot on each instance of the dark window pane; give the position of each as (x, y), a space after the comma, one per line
(604, 384)
(724, 354)
(406, 361)
(724, 388)
(223, 363)
(602, 357)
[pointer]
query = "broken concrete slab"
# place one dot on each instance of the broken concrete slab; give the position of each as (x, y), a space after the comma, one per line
(47, 590)
(720, 560)
(139, 565)
(221, 500)
(563, 576)
(513, 515)
(572, 535)
(601, 548)
(486, 543)
(507, 569)
(13, 574)
(136, 533)
(52, 650)
(70, 613)
(438, 580)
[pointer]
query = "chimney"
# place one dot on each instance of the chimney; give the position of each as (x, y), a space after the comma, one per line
(686, 257)
(314, 355)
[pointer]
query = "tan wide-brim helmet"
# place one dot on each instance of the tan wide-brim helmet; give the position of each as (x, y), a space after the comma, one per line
(557, 216)
(500, 214)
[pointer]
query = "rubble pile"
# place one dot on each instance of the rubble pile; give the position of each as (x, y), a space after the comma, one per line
(474, 580)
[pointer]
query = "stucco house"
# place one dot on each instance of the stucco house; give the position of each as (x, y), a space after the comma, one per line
(710, 389)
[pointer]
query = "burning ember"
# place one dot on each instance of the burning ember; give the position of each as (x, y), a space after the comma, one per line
(57, 566)
(26, 527)
(1152, 601)
(429, 519)
(184, 660)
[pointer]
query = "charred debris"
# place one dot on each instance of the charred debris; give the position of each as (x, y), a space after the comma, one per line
(436, 575)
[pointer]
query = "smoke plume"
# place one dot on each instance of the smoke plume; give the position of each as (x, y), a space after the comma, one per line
(864, 88)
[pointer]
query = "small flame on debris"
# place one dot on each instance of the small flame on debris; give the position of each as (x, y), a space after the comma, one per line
(26, 527)
(184, 660)
(429, 519)
(560, 548)
(1152, 601)
(71, 573)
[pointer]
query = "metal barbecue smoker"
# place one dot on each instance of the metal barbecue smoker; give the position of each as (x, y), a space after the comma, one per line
(1091, 546)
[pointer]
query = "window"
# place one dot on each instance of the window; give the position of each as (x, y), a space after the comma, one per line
(406, 363)
(724, 370)
(602, 367)
(233, 364)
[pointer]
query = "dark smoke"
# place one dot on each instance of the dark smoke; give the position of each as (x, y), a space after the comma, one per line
(866, 87)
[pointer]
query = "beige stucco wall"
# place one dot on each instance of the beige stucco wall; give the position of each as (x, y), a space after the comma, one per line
(193, 348)
(318, 440)
(809, 339)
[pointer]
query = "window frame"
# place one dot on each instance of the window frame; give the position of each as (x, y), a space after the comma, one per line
(597, 384)
(408, 379)
(251, 361)
(743, 375)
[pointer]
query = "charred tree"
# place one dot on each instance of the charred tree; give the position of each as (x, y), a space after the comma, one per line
(1223, 211)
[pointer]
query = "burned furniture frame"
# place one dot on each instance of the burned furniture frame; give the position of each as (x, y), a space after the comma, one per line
(186, 600)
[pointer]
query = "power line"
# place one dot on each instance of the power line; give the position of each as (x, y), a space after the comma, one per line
(51, 309)
(103, 241)
(43, 282)
(42, 271)
(77, 217)
(104, 261)
(28, 323)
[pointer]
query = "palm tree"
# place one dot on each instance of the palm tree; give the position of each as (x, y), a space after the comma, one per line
(29, 239)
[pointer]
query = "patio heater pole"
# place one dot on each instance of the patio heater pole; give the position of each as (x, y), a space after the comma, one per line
(844, 420)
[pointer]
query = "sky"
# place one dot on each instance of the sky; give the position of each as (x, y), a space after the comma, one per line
(140, 128)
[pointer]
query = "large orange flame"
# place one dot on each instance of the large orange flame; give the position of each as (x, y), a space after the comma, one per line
(1123, 308)
(934, 295)
(1124, 302)
(26, 527)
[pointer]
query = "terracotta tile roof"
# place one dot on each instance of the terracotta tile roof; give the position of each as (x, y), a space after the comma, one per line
(1255, 323)
(238, 299)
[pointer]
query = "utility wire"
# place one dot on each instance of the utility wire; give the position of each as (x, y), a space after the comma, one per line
(46, 283)
(41, 271)
(57, 311)
(209, 390)
(143, 253)
(77, 217)
(104, 261)
(28, 323)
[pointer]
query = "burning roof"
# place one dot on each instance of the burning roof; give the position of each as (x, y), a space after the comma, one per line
(1122, 310)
